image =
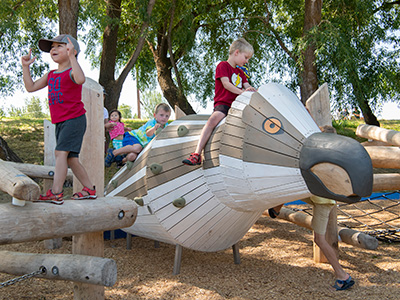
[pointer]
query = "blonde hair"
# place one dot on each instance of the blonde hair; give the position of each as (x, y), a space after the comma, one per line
(163, 106)
(242, 45)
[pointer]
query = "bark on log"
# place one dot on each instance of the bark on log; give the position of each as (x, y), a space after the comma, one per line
(36, 171)
(391, 137)
(386, 182)
(17, 184)
(39, 221)
(71, 267)
(384, 156)
(348, 236)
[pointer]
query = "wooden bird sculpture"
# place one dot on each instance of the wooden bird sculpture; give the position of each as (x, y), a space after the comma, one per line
(267, 151)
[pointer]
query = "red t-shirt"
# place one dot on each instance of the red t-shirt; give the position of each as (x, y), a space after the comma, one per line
(65, 96)
(235, 75)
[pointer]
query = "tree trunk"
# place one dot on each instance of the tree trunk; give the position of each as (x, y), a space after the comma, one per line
(6, 153)
(309, 80)
(109, 53)
(68, 15)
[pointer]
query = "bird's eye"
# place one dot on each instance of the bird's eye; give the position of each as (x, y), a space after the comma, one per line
(272, 125)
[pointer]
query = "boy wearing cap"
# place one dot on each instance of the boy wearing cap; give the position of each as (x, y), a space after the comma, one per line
(66, 110)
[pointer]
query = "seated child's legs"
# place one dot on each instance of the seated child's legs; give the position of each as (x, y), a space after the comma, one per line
(131, 156)
(130, 144)
(321, 217)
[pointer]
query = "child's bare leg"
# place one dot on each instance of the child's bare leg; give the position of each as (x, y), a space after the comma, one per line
(212, 122)
(135, 148)
(80, 172)
(60, 172)
(130, 157)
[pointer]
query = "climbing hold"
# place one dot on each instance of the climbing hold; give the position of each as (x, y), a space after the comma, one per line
(158, 130)
(129, 164)
(139, 201)
(155, 168)
(182, 130)
(179, 202)
(114, 183)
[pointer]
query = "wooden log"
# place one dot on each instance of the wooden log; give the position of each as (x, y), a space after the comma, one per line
(391, 137)
(386, 182)
(17, 184)
(92, 158)
(348, 236)
(179, 113)
(36, 171)
(319, 106)
(38, 221)
(71, 267)
(384, 156)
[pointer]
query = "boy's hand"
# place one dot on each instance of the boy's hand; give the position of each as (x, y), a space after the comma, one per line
(26, 60)
(158, 125)
(70, 49)
(250, 89)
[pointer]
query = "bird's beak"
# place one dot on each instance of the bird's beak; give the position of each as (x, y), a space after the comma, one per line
(336, 167)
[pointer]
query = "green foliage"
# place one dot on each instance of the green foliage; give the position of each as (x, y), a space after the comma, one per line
(33, 108)
(14, 112)
(126, 111)
(149, 101)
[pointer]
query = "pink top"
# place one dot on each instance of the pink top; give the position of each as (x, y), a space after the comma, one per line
(236, 76)
(65, 96)
(117, 130)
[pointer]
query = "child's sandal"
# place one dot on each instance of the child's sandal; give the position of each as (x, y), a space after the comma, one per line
(91, 194)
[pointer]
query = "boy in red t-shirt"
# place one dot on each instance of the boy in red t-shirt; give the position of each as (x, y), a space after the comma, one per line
(230, 81)
(66, 110)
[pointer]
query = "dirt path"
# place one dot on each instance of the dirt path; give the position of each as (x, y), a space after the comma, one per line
(276, 263)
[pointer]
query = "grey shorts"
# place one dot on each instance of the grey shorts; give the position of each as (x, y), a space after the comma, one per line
(69, 135)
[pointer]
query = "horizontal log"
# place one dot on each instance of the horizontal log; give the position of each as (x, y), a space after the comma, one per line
(384, 156)
(348, 236)
(71, 267)
(386, 182)
(39, 221)
(391, 137)
(17, 184)
(37, 171)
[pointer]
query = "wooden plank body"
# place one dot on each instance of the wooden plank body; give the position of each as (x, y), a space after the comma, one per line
(251, 163)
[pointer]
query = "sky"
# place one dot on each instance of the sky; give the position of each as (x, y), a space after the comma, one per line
(390, 111)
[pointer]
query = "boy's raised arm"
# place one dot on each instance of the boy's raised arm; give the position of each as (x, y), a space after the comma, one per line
(30, 85)
(77, 72)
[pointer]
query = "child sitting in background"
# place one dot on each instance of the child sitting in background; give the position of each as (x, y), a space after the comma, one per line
(116, 128)
(134, 141)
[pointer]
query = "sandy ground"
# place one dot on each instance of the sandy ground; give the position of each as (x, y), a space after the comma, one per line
(276, 263)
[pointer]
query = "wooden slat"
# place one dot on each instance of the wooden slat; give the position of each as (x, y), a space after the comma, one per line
(231, 151)
(171, 131)
(265, 156)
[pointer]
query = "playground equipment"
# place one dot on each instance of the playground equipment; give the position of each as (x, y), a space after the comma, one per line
(267, 151)
(84, 219)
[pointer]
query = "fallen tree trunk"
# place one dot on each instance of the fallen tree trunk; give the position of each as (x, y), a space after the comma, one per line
(6, 153)
(71, 267)
(348, 236)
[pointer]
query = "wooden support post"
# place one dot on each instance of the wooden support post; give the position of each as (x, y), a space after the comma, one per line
(77, 268)
(179, 113)
(319, 106)
(236, 255)
(92, 158)
(50, 160)
(156, 244)
(391, 137)
(128, 241)
(17, 184)
(177, 260)
(39, 221)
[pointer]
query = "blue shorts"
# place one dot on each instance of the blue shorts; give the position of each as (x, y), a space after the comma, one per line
(129, 140)
(69, 135)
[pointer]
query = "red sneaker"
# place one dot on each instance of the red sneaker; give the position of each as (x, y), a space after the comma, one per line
(51, 198)
(85, 194)
(194, 159)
